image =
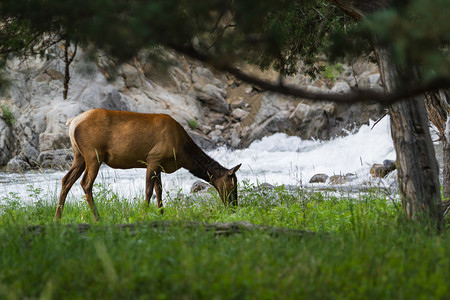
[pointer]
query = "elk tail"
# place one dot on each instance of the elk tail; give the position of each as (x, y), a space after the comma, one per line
(69, 121)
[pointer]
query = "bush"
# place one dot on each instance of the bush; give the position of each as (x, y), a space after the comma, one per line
(7, 115)
(193, 124)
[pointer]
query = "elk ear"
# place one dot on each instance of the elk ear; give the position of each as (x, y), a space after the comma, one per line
(233, 170)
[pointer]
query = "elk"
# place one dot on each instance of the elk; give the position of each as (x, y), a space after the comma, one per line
(123, 140)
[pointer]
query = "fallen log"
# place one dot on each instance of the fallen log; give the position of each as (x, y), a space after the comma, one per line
(219, 229)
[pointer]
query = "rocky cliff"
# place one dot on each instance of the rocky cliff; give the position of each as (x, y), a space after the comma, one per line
(215, 108)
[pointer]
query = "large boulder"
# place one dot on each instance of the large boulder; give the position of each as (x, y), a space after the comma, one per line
(272, 117)
(56, 159)
(211, 90)
(55, 135)
(18, 163)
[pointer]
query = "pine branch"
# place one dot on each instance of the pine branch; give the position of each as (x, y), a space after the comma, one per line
(354, 96)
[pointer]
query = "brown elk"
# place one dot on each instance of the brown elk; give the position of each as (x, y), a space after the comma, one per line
(124, 140)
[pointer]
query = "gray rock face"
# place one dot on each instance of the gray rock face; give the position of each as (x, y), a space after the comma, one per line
(210, 90)
(18, 164)
(5, 142)
(56, 159)
(227, 111)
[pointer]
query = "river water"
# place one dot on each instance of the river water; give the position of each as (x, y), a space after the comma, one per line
(278, 159)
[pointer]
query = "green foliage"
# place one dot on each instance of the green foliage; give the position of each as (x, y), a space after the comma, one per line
(416, 32)
(300, 30)
(361, 250)
(193, 124)
(332, 72)
(7, 114)
(270, 33)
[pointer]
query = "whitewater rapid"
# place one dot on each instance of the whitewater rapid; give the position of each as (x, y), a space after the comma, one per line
(277, 159)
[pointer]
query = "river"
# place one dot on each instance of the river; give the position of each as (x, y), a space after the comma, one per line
(277, 159)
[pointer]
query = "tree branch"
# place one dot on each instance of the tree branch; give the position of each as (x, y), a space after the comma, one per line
(354, 96)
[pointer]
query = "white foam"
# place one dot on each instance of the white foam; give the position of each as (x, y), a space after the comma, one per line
(281, 159)
(277, 159)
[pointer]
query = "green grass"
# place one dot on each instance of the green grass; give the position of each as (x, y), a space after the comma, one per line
(362, 249)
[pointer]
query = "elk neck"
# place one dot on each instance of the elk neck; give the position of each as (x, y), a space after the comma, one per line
(203, 166)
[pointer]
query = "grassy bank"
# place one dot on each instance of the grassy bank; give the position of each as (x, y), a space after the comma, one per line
(361, 249)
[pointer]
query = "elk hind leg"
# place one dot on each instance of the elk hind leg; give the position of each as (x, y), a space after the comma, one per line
(68, 180)
(153, 181)
(87, 184)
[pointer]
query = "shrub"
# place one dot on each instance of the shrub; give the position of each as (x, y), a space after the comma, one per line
(193, 124)
(7, 114)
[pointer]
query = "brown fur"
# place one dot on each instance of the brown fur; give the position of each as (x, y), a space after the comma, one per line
(124, 140)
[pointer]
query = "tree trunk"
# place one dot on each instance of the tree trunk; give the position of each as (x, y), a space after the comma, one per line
(68, 59)
(437, 104)
(66, 69)
(418, 172)
(446, 171)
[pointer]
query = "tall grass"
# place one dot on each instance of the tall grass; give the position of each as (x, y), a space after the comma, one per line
(361, 250)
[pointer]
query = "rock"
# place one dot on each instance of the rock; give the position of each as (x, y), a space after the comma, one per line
(107, 97)
(240, 102)
(30, 153)
(319, 178)
(217, 138)
(44, 78)
(201, 140)
(342, 179)
(378, 170)
(235, 137)
(56, 133)
(55, 74)
(212, 97)
(312, 120)
(319, 83)
(205, 128)
(381, 170)
(341, 87)
(18, 164)
(370, 81)
(239, 113)
(272, 117)
(187, 90)
(5, 142)
(248, 89)
(216, 119)
(199, 186)
(263, 187)
(133, 78)
(374, 79)
(210, 90)
(390, 165)
(56, 159)
(362, 65)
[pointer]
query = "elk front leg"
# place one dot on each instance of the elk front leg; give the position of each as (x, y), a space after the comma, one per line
(158, 191)
(149, 184)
